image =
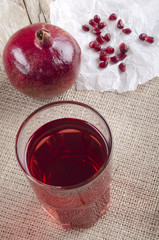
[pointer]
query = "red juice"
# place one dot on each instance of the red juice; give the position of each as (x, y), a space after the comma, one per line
(67, 152)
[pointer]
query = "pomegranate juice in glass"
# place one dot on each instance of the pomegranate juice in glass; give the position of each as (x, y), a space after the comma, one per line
(64, 149)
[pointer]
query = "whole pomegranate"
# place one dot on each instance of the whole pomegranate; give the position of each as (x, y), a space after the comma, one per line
(42, 60)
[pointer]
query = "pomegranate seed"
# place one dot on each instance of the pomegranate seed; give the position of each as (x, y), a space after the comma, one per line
(114, 59)
(92, 44)
(103, 64)
(109, 50)
(97, 47)
(101, 25)
(107, 37)
(122, 67)
(112, 17)
(85, 28)
(97, 19)
(103, 57)
(149, 39)
(96, 31)
(123, 48)
(142, 36)
(126, 30)
(121, 56)
(92, 23)
(120, 24)
(100, 39)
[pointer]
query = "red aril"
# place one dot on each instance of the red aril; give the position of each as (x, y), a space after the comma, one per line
(103, 57)
(142, 36)
(85, 28)
(122, 67)
(112, 17)
(99, 39)
(126, 30)
(92, 23)
(120, 24)
(97, 47)
(42, 60)
(103, 64)
(123, 48)
(121, 56)
(92, 44)
(109, 50)
(114, 59)
(149, 39)
(107, 37)
(101, 25)
(96, 31)
(97, 18)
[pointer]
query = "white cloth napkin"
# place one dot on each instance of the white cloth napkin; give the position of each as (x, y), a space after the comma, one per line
(142, 61)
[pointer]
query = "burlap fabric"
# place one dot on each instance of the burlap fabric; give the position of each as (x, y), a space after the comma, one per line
(134, 211)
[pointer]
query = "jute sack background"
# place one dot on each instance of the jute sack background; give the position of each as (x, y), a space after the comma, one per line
(134, 211)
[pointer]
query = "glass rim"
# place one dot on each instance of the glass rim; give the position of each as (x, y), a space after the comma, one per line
(83, 183)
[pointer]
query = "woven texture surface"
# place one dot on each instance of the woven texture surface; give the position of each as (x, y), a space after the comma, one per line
(134, 211)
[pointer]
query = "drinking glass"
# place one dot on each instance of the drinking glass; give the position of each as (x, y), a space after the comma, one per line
(72, 206)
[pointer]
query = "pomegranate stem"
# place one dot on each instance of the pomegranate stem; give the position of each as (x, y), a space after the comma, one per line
(43, 35)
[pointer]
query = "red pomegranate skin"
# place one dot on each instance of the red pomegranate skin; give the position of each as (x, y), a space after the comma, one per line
(42, 70)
